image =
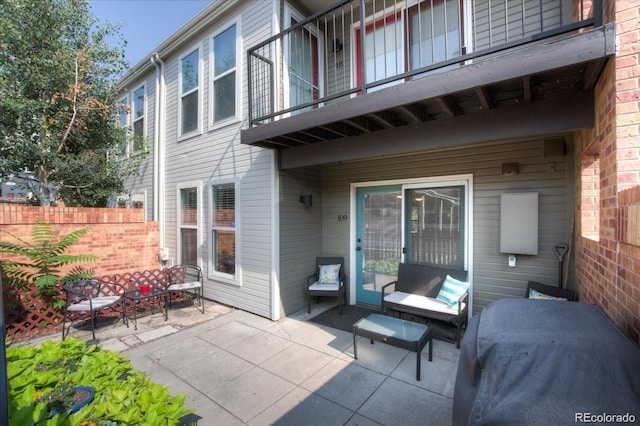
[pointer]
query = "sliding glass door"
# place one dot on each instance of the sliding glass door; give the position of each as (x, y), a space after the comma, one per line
(414, 223)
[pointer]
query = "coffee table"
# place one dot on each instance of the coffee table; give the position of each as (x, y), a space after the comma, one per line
(136, 296)
(395, 332)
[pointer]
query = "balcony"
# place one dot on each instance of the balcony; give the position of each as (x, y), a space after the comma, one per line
(427, 64)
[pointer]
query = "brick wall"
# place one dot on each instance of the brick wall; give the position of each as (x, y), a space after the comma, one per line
(120, 238)
(608, 261)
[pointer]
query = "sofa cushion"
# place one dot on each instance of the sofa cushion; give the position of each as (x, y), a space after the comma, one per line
(452, 290)
(324, 287)
(422, 302)
(533, 294)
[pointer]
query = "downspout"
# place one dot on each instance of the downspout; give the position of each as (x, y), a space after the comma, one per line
(158, 148)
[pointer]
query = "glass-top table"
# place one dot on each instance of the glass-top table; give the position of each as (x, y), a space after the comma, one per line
(153, 293)
(396, 332)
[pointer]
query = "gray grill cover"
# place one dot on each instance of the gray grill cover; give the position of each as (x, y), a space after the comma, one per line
(533, 362)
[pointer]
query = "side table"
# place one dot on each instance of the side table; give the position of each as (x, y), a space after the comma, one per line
(154, 294)
(396, 332)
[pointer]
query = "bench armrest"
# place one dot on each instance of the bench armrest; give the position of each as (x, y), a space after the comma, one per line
(387, 285)
(382, 294)
(464, 298)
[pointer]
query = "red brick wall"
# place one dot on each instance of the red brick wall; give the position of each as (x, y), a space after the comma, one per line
(608, 265)
(120, 238)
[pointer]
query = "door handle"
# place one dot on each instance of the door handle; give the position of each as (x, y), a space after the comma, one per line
(358, 248)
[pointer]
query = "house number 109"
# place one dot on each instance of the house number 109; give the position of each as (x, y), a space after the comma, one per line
(342, 218)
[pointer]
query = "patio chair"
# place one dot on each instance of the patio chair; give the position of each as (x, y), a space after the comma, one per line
(551, 291)
(328, 280)
(186, 278)
(88, 296)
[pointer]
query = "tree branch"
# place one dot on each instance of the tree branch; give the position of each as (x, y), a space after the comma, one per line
(75, 109)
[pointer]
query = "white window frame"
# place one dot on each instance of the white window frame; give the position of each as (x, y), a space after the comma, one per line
(238, 70)
(124, 150)
(179, 226)
(213, 273)
(143, 117)
(181, 95)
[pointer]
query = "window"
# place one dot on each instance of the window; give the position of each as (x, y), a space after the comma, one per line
(384, 52)
(434, 32)
(188, 226)
(224, 70)
(398, 42)
(223, 228)
(138, 117)
(189, 89)
(123, 122)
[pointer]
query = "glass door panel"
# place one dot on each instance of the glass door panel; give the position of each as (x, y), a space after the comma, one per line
(304, 83)
(379, 240)
(435, 231)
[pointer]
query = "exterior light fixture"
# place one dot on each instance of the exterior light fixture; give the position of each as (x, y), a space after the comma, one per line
(306, 200)
(509, 169)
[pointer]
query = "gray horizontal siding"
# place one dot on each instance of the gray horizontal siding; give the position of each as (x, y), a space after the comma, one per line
(300, 234)
(217, 155)
(492, 278)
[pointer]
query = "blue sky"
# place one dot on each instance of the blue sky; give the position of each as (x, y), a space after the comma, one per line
(145, 24)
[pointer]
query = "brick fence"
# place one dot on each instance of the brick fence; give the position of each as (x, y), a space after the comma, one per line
(121, 239)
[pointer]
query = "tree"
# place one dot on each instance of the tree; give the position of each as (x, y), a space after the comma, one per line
(59, 101)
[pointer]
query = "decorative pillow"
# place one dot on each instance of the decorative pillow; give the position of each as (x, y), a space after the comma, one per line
(451, 291)
(329, 274)
(533, 294)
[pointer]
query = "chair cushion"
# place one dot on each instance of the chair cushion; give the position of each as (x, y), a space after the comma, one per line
(329, 274)
(324, 287)
(422, 302)
(533, 294)
(452, 290)
(184, 286)
(98, 302)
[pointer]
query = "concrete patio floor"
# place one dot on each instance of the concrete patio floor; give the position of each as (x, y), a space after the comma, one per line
(241, 369)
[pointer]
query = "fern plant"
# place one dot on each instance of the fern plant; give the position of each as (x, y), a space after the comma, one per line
(45, 256)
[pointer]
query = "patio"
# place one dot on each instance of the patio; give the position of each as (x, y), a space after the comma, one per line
(238, 368)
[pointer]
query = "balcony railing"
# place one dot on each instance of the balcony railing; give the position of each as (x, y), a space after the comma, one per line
(327, 57)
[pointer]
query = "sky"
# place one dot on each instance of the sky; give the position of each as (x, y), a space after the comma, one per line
(145, 24)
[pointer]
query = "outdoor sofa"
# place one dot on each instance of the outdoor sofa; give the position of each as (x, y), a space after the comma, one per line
(416, 294)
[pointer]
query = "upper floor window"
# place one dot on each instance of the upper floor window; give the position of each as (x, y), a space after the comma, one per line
(189, 92)
(225, 74)
(397, 42)
(138, 112)
(131, 119)
(123, 123)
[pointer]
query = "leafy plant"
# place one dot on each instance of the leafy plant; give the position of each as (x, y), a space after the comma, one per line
(45, 255)
(123, 396)
(59, 398)
(384, 266)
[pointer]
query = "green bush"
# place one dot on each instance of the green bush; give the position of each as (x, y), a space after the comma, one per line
(385, 266)
(123, 396)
